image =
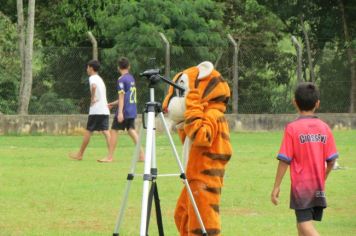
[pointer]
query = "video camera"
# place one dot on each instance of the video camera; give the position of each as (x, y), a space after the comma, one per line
(153, 75)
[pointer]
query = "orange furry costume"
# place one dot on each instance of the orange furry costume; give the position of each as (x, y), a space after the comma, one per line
(210, 150)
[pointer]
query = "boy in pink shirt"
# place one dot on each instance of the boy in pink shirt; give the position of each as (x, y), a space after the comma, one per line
(308, 147)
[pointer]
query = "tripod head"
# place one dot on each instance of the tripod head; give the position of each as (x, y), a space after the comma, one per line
(151, 75)
(154, 76)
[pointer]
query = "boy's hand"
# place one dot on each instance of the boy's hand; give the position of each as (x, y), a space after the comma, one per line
(93, 101)
(120, 117)
(110, 106)
(275, 196)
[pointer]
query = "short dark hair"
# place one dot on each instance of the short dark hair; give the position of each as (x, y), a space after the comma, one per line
(94, 64)
(306, 96)
(123, 63)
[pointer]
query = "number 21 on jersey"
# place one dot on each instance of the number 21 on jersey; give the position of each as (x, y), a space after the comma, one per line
(133, 95)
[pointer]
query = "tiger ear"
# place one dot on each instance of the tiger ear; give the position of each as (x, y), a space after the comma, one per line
(170, 91)
(205, 68)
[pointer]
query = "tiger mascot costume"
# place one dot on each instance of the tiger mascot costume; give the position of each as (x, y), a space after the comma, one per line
(203, 128)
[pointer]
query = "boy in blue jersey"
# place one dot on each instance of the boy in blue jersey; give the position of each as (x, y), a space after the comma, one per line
(126, 112)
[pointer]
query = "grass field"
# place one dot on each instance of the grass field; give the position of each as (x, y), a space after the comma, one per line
(42, 192)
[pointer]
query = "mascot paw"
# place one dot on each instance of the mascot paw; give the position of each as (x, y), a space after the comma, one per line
(176, 109)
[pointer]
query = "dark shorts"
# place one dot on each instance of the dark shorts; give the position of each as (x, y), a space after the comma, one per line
(126, 124)
(314, 213)
(98, 123)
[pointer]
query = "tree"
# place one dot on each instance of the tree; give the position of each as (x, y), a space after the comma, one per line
(194, 29)
(26, 50)
(264, 68)
(331, 24)
(350, 55)
(335, 82)
(9, 66)
(125, 28)
(197, 31)
(62, 27)
(66, 23)
(299, 17)
(307, 43)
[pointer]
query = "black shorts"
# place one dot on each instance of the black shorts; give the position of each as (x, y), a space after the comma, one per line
(314, 213)
(125, 124)
(98, 123)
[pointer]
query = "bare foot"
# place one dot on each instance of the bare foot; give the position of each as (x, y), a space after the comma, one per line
(142, 158)
(105, 160)
(75, 156)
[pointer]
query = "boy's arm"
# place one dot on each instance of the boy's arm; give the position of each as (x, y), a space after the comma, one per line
(120, 116)
(114, 103)
(92, 98)
(329, 167)
(331, 153)
(281, 170)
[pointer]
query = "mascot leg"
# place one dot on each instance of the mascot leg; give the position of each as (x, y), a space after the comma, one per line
(207, 199)
(181, 213)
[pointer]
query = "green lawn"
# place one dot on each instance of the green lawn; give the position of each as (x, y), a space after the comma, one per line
(42, 192)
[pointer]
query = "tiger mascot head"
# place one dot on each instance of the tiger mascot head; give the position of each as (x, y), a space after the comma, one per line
(214, 91)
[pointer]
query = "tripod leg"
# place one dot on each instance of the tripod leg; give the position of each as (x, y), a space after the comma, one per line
(130, 177)
(147, 177)
(158, 211)
(154, 196)
(149, 207)
(183, 176)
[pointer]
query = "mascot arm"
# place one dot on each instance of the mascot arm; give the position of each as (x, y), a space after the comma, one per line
(199, 126)
(181, 133)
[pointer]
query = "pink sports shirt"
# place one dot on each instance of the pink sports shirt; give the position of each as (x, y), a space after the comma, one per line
(307, 145)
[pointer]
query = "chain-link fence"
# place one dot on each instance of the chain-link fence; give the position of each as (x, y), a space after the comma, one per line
(266, 81)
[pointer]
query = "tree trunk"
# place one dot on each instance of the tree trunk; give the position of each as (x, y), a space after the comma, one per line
(27, 85)
(21, 41)
(350, 56)
(307, 42)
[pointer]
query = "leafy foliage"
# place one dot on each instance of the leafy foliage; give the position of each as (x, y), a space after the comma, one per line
(9, 66)
(126, 28)
(335, 83)
(197, 31)
(264, 67)
(51, 103)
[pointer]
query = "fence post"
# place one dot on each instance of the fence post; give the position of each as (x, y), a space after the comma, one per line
(95, 45)
(235, 73)
(298, 48)
(168, 56)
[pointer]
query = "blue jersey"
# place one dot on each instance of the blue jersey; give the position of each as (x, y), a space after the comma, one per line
(126, 85)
